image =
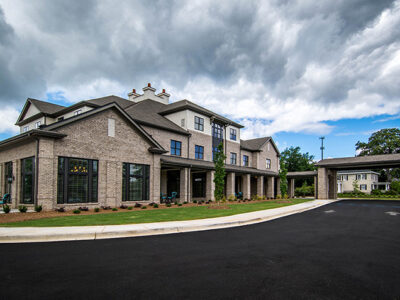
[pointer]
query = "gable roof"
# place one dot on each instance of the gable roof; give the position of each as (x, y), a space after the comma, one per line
(45, 108)
(186, 104)
(256, 144)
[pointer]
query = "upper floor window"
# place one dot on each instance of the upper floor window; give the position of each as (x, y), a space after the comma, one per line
(25, 129)
(233, 158)
(77, 112)
(199, 152)
(233, 134)
(176, 148)
(217, 131)
(268, 163)
(361, 176)
(198, 123)
(245, 161)
(214, 152)
(37, 124)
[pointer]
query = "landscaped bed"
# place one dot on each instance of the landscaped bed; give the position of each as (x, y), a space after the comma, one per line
(190, 211)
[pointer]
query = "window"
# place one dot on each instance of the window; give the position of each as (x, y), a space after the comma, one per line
(268, 164)
(27, 180)
(111, 127)
(345, 177)
(361, 176)
(182, 122)
(217, 131)
(214, 152)
(77, 180)
(37, 124)
(198, 123)
(176, 148)
(245, 160)
(77, 112)
(26, 128)
(199, 152)
(233, 158)
(135, 182)
(233, 134)
(363, 187)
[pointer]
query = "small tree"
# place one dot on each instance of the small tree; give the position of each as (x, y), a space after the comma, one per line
(282, 175)
(219, 177)
(355, 186)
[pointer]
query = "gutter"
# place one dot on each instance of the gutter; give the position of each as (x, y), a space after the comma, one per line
(35, 199)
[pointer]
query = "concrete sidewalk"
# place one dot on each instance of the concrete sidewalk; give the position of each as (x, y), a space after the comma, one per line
(51, 234)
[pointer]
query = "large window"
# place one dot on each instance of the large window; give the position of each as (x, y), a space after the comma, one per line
(77, 180)
(218, 131)
(233, 134)
(198, 123)
(245, 160)
(176, 148)
(199, 152)
(27, 180)
(214, 152)
(363, 187)
(361, 176)
(233, 158)
(268, 163)
(135, 182)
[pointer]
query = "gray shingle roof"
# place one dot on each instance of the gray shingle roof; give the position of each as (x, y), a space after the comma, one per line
(370, 161)
(186, 104)
(46, 107)
(254, 144)
(124, 103)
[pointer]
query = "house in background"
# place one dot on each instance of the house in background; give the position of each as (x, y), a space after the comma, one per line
(367, 181)
(112, 151)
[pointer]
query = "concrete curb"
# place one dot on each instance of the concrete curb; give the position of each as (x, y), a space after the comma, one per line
(53, 234)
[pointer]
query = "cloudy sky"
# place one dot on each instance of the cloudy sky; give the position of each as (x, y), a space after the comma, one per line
(295, 70)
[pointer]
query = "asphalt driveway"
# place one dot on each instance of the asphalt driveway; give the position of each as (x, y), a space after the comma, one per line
(345, 250)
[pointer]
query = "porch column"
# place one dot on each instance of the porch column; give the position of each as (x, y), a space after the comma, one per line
(322, 183)
(185, 185)
(246, 184)
(260, 186)
(278, 186)
(15, 186)
(291, 188)
(210, 185)
(332, 184)
(164, 179)
(315, 187)
(270, 187)
(230, 184)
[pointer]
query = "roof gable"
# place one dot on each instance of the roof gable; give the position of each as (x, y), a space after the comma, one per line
(257, 144)
(36, 107)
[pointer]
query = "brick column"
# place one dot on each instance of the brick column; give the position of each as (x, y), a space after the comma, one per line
(291, 188)
(332, 191)
(278, 186)
(230, 184)
(270, 187)
(260, 186)
(185, 185)
(15, 186)
(246, 185)
(315, 187)
(322, 183)
(210, 185)
(46, 195)
(155, 186)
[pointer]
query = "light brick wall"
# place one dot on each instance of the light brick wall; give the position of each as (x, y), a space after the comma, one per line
(270, 154)
(200, 139)
(234, 148)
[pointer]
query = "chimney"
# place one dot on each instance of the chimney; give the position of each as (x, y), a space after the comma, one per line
(132, 95)
(165, 96)
(149, 92)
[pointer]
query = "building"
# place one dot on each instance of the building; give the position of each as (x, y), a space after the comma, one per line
(367, 181)
(112, 151)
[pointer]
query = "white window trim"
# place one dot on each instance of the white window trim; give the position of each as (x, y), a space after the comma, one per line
(25, 129)
(37, 124)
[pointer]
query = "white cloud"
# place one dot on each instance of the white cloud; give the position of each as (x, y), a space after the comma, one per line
(8, 117)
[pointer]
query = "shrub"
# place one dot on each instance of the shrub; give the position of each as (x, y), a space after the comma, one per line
(6, 208)
(168, 204)
(22, 208)
(96, 209)
(376, 192)
(151, 204)
(114, 209)
(84, 208)
(137, 205)
(231, 198)
(395, 186)
(194, 201)
(144, 207)
(105, 207)
(285, 196)
(185, 202)
(130, 207)
(391, 193)
(38, 208)
(61, 209)
(155, 205)
(179, 204)
(123, 206)
(76, 211)
(176, 202)
(304, 190)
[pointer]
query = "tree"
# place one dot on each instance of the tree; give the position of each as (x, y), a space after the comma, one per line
(219, 177)
(355, 186)
(295, 161)
(282, 176)
(384, 141)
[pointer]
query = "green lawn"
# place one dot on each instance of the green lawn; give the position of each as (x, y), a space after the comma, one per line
(149, 216)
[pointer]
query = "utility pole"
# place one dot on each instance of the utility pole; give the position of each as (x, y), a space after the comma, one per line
(322, 147)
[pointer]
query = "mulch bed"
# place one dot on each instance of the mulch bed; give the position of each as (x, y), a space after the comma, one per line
(17, 217)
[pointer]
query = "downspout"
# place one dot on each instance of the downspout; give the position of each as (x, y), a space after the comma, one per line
(35, 200)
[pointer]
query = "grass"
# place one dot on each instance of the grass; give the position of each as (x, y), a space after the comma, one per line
(144, 216)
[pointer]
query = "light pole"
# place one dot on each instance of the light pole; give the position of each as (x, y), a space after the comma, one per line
(322, 147)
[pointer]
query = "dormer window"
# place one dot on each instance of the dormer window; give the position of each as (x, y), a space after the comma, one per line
(77, 112)
(26, 128)
(37, 124)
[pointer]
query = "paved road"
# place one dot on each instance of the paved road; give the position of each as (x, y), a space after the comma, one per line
(345, 250)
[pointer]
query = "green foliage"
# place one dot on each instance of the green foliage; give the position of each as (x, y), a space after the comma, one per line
(179, 204)
(304, 190)
(356, 186)
(376, 192)
(155, 205)
(292, 160)
(114, 209)
(168, 205)
(384, 141)
(144, 207)
(130, 207)
(22, 208)
(6, 208)
(76, 211)
(282, 175)
(38, 208)
(96, 209)
(395, 186)
(219, 177)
